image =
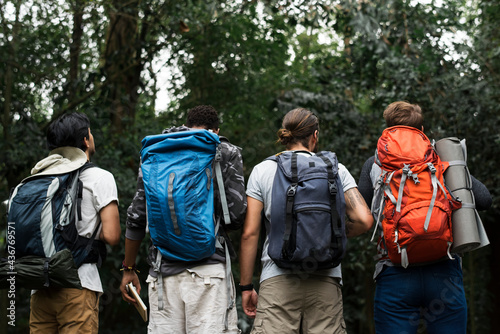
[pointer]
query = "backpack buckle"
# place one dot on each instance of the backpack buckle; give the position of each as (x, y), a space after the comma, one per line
(406, 169)
(292, 190)
(333, 188)
(218, 154)
(432, 168)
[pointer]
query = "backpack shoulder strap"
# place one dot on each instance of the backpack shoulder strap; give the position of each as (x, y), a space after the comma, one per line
(273, 157)
(88, 242)
(220, 184)
(87, 165)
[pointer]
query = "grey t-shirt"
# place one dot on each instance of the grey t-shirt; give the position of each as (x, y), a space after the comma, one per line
(260, 185)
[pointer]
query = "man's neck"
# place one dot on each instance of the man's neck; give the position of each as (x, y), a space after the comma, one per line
(298, 147)
(204, 128)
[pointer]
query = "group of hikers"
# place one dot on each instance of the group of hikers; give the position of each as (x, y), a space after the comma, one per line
(303, 202)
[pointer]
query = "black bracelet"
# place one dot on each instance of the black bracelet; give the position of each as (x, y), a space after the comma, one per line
(248, 287)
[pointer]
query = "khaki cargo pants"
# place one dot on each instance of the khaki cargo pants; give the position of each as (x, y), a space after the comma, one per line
(286, 303)
(64, 311)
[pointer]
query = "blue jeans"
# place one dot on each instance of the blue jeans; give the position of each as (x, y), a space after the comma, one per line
(431, 293)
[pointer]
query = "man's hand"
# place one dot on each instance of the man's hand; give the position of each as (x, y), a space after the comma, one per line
(249, 302)
(129, 276)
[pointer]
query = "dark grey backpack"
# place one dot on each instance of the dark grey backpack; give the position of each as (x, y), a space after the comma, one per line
(308, 212)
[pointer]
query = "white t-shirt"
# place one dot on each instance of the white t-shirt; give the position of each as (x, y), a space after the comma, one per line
(99, 190)
(260, 185)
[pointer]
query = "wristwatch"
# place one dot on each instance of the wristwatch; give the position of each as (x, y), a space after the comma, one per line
(248, 287)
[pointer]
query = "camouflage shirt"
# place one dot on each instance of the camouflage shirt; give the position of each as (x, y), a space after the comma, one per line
(234, 185)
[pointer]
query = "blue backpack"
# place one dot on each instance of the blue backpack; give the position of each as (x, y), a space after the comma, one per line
(42, 212)
(178, 182)
(178, 171)
(307, 215)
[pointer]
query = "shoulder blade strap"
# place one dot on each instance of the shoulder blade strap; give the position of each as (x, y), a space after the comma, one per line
(220, 184)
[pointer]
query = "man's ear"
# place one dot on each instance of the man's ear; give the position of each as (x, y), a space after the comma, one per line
(313, 141)
(86, 140)
(217, 131)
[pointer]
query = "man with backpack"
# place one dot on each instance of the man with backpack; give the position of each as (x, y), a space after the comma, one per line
(417, 278)
(72, 310)
(302, 196)
(190, 191)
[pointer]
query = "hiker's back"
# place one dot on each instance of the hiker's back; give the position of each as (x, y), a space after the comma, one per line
(177, 202)
(54, 213)
(307, 216)
(410, 197)
(178, 182)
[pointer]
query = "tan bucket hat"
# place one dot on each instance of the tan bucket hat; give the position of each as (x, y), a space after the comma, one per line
(60, 161)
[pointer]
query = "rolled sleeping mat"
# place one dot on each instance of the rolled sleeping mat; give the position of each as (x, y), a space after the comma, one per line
(468, 230)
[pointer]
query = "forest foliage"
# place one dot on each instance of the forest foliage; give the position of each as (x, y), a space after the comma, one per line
(253, 61)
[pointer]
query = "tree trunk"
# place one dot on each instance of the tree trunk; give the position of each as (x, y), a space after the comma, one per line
(75, 48)
(122, 63)
(9, 85)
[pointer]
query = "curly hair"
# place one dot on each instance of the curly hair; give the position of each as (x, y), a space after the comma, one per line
(298, 125)
(204, 116)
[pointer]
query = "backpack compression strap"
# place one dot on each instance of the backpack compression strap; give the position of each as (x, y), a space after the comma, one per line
(332, 186)
(435, 184)
(378, 200)
(290, 196)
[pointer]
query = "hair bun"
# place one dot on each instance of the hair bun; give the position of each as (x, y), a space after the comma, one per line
(285, 136)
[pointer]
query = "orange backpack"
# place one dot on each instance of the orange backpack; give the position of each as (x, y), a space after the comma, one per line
(410, 198)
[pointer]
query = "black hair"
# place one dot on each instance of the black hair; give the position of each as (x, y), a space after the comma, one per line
(69, 129)
(204, 116)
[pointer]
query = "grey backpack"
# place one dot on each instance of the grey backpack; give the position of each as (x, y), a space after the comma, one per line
(308, 212)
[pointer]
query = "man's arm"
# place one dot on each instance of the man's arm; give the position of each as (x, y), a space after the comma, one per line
(131, 251)
(248, 253)
(359, 218)
(365, 183)
(482, 195)
(110, 218)
(135, 232)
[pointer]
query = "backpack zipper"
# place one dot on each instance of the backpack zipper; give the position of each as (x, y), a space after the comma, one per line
(313, 208)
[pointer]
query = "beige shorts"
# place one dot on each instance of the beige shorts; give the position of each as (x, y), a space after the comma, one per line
(287, 303)
(64, 311)
(194, 301)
